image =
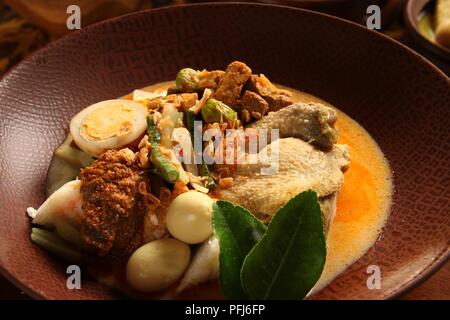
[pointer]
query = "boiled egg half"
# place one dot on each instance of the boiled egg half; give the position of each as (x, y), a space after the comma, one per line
(110, 124)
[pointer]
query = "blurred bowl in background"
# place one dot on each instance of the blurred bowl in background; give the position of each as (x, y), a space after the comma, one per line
(438, 54)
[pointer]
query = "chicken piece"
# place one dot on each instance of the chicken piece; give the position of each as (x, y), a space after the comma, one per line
(311, 122)
(301, 167)
(231, 82)
(276, 98)
(112, 223)
(328, 207)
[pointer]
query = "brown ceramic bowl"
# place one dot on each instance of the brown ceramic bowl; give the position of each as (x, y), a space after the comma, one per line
(397, 95)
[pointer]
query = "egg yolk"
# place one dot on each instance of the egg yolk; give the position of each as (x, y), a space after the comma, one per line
(107, 122)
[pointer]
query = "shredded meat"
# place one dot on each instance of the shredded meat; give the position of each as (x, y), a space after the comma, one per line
(209, 79)
(229, 89)
(181, 101)
(114, 208)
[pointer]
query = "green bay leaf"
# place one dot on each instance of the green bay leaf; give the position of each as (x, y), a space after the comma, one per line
(289, 258)
(237, 231)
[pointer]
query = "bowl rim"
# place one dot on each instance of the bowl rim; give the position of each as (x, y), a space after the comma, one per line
(308, 2)
(411, 25)
(424, 274)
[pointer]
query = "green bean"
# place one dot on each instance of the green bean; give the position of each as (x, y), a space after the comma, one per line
(203, 169)
(189, 122)
(55, 244)
(164, 167)
(187, 80)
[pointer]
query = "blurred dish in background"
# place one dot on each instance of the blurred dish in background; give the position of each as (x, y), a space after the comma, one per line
(17, 38)
(27, 25)
(51, 15)
(424, 23)
(442, 23)
(434, 22)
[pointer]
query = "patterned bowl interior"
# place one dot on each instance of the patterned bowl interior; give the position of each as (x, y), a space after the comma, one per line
(400, 98)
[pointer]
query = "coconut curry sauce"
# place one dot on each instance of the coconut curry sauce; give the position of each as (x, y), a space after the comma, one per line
(363, 205)
(364, 200)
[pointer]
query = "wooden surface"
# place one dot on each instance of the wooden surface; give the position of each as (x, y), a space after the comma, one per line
(437, 287)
